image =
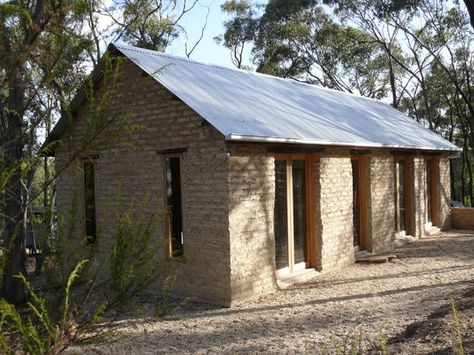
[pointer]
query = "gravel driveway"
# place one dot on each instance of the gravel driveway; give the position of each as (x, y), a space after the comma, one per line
(337, 309)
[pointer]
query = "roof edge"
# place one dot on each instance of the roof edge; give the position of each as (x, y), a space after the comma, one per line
(302, 141)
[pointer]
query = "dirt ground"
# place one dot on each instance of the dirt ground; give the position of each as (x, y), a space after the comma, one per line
(407, 303)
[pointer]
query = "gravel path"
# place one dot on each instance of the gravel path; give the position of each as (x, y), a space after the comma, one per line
(337, 309)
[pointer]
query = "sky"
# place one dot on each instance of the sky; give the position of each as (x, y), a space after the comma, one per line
(208, 50)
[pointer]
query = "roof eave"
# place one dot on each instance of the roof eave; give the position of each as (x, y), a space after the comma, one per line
(304, 141)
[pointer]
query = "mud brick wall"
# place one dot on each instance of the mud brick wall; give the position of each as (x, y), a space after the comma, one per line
(335, 207)
(251, 210)
(444, 193)
(129, 170)
(381, 202)
(420, 190)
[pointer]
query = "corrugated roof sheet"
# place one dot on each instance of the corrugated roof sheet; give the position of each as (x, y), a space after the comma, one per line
(249, 106)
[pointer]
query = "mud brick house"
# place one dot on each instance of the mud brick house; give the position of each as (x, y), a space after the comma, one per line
(263, 177)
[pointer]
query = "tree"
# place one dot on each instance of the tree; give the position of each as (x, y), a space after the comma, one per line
(240, 30)
(151, 24)
(28, 75)
(300, 40)
(470, 9)
(45, 48)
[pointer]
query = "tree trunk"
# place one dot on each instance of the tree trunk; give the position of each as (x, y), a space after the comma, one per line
(393, 84)
(470, 9)
(463, 187)
(469, 186)
(12, 288)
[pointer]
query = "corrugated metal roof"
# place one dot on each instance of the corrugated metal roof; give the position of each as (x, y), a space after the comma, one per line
(249, 106)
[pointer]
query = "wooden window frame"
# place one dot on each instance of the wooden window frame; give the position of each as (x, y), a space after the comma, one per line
(168, 232)
(408, 194)
(362, 200)
(309, 197)
(83, 162)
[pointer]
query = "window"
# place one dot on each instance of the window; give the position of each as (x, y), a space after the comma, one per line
(403, 191)
(358, 163)
(401, 196)
(431, 170)
(89, 201)
(292, 209)
(173, 204)
(429, 191)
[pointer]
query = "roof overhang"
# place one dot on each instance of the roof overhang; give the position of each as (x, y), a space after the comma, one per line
(257, 139)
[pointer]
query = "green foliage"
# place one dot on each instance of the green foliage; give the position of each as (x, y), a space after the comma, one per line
(382, 342)
(354, 348)
(37, 331)
(150, 25)
(164, 304)
(47, 48)
(457, 327)
(239, 30)
(134, 260)
(69, 309)
(300, 39)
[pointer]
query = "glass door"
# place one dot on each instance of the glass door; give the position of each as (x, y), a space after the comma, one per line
(281, 215)
(356, 201)
(429, 191)
(400, 195)
(290, 215)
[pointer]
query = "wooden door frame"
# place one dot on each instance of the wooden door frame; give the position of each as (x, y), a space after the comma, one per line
(408, 193)
(362, 159)
(309, 197)
(434, 161)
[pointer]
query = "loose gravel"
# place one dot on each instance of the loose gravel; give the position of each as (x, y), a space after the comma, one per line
(353, 308)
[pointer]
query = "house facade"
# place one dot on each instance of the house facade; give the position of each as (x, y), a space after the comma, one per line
(256, 185)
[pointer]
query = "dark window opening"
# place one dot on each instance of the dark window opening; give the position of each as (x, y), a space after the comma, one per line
(429, 191)
(174, 205)
(299, 210)
(89, 202)
(356, 201)
(281, 219)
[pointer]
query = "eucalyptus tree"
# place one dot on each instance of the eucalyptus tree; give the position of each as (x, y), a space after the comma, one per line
(470, 9)
(46, 51)
(240, 30)
(301, 40)
(40, 41)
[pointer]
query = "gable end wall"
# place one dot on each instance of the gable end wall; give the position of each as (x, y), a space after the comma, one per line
(130, 171)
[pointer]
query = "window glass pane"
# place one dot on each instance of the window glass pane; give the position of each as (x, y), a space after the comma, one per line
(355, 199)
(401, 194)
(429, 191)
(173, 201)
(299, 209)
(280, 215)
(89, 201)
